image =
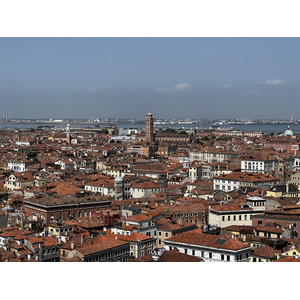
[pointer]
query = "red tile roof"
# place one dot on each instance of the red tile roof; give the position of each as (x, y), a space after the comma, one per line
(196, 237)
(264, 251)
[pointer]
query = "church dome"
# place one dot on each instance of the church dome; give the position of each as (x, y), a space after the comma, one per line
(288, 132)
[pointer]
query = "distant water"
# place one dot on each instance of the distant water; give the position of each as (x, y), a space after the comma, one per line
(266, 128)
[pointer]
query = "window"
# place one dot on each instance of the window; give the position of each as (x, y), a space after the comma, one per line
(240, 217)
(167, 234)
(259, 222)
(228, 257)
(223, 218)
(228, 218)
(159, 233)
(222, 256)
(193, 252)
(210, 255)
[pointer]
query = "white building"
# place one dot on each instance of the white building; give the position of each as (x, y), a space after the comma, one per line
(239, 212)
(144, 224)
(144, 189)
(211, 248)
(17, 166)
(235, 180)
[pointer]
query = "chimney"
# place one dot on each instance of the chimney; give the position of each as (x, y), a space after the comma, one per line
(22, 225)
(72, 245)
(82, 240)
(180, 221)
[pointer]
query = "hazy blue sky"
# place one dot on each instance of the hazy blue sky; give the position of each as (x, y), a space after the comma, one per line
(170, 77)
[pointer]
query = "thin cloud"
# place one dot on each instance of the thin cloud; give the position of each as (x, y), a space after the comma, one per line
(252, 92)
(227, 85)
(274, 82)
(182, 86)
(91, 90)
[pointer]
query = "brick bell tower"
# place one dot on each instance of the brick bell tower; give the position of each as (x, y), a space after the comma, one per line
(149, 133)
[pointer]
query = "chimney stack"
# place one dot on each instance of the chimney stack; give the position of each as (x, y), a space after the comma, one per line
(82, 239)
(72, 245)
(180, 221)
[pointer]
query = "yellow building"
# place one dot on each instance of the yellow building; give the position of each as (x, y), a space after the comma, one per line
(283, 190)
(59, 229)
(294, 251)
(268, 231)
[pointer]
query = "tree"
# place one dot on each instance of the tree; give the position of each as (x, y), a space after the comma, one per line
(205, 138)
(169, 130)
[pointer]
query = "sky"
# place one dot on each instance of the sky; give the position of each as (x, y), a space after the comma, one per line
(199, 78)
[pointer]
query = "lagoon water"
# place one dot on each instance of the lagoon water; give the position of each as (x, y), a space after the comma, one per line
(266, 128)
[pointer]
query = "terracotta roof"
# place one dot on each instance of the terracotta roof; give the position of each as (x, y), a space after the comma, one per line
(176, 256)
(103, 243)
(46, 241)
(288, 259)
(139, 218)
(196, 237)
(134, 237)
(169, 256)
(64, 189)
(270, 229)
(247, 176)
(264, 251)
(51, 201)
(235, 205)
